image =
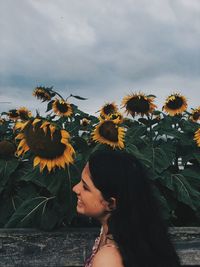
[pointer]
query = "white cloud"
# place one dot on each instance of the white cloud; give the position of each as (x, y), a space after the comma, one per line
(99, 48)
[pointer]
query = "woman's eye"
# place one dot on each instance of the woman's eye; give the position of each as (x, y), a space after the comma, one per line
(85, 188)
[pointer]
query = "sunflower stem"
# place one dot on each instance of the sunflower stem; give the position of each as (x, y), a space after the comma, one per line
(70, 185)
(151, 130)
(68, 97)
(59, 96)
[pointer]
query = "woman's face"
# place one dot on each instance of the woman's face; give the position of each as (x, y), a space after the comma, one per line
(90, 200)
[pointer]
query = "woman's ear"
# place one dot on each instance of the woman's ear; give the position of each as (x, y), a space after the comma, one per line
(111, 204)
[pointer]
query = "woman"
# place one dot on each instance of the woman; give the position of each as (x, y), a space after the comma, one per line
(115, 190)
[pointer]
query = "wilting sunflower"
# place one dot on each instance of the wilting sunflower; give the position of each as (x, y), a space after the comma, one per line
(138, 104)
(197, 137)
(13, 114)
(2, 121)
(50, 145)
(7, 149)
(42, 93)
(175, 104)
(62, 108)
(107, 109)
(24, 113)
(195, 115)
(107, 132)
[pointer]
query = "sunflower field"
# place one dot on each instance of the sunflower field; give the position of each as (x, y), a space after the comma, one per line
(41, 157)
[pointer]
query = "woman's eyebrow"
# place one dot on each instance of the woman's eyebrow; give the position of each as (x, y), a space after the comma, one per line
(84, 182)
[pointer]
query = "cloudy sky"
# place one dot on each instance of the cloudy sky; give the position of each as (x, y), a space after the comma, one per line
(100, 49)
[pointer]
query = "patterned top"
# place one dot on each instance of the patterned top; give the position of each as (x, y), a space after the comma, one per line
(95, 248)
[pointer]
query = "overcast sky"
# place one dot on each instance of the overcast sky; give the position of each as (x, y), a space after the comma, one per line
(100, 49)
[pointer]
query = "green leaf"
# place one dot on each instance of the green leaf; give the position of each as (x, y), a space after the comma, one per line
(135, 151)
(49, 105)
(79, 97)
(151, 96)
(181, 188)
(24, 215)
(158, 158)
(6, 208)
(134, 134)
(193, 176)
(197, 156)
(80, 144)
(144, 121)
(51, 181)
(156, 112)
(7, 167)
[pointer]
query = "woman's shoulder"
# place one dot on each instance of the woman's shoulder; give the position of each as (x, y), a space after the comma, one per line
(108, 256)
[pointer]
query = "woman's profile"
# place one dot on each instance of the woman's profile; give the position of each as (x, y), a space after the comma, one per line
(115, 190)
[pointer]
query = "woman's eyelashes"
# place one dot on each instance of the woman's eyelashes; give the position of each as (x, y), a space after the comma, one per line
(85, 187)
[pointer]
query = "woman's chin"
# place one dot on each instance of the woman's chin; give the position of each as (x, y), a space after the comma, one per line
(80, 209)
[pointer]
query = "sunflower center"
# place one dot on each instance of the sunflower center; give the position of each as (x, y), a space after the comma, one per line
(13, 113)
(42, 94)
(41, 144)
(23, 115)
(62, 107)
(175, 103)
(109, 131)
(138, 104)
(108, 109)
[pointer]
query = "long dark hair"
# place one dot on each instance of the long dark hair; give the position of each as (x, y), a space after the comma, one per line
(136, 224)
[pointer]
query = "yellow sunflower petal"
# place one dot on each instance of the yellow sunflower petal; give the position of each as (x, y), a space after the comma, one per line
(65, 134)
(36, 121)
(49, 165)
(20, 136)
(36, 161)
(52, 130)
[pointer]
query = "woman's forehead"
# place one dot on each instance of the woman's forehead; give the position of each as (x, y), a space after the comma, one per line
(86, 175)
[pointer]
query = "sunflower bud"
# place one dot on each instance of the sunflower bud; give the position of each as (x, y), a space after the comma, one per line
(85, 122)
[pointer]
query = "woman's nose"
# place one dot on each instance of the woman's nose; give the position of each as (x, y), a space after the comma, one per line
(75, 189)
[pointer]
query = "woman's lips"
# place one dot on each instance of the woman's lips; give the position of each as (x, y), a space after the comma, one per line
(79, 202)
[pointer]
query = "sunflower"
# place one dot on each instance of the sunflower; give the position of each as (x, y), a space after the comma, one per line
(85, 122)
(195, 115)
(138, 104)
(107, 109)
(197, 137)
(117, 118)
(175, 104)
(107, 132)
(62, 108)
(42, 93)
(2, 121)
(49, 145)
(13, 114)
(24, 113)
